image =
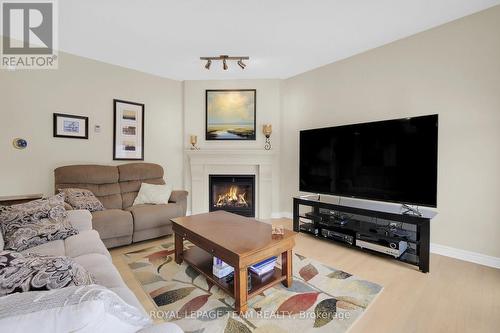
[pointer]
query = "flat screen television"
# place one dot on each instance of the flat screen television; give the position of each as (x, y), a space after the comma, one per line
(392, 160)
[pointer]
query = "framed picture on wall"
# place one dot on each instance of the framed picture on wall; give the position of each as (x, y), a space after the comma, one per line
(128, 130)
(70, 126)
(230, 114)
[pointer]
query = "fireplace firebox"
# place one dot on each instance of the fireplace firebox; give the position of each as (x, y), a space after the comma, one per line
(232, 193)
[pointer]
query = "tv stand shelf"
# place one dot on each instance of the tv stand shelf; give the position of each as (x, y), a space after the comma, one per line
(317, 217)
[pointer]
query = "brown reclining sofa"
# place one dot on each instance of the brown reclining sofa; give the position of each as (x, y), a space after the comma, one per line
(117, 187)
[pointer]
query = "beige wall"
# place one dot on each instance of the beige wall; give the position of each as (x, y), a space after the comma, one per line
(452, 70)
(268, 112)
(83, 87)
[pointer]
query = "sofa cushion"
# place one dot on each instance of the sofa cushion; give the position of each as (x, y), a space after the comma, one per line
(132, 175)
(80, 198)
(80, 219)
(28, 272)
(112, 223)
(154, 216)
(86, 174)
(139, 171)
(36, 222)
(54, 248)
(102, 269)
(85, 242)
(117, 241)
(101, 180)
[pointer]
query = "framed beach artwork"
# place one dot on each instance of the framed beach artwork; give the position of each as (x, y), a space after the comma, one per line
(128, 133)
(230, 114)
(70, 126)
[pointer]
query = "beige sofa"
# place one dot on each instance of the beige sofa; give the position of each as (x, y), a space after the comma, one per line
(117, 187)
(87, 249)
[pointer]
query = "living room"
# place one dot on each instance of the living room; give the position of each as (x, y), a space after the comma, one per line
(134, 136)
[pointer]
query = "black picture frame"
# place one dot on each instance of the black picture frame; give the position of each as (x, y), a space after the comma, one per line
(250, 138)
(115, 158)
(57, 134)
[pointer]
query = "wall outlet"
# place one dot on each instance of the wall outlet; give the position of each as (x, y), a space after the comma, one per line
(97, 128)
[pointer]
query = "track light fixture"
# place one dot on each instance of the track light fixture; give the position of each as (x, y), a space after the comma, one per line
(241, 64)
(224, 59)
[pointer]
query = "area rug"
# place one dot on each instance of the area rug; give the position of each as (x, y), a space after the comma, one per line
(321, 299)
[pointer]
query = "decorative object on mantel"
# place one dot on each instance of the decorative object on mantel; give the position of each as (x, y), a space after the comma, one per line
(193, 139)
(267, 129)
(70, 126)
(128, 130)
(20, 143)
(230, 114)
(224, 58)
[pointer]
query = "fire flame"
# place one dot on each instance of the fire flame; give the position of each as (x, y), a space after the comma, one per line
(232, 198)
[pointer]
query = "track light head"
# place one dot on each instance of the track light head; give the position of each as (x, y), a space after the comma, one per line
(241, 64)
(224, 64)
(209, 62)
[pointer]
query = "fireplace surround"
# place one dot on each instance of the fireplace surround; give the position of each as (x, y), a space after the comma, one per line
(232, 193)
(206, 162)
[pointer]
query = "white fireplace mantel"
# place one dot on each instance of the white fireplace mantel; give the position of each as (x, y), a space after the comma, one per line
(223, 162)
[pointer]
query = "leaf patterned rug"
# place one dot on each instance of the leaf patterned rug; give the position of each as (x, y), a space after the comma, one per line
(321, 299)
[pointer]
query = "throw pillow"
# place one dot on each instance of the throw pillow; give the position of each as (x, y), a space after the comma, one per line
(33, 223)
(153, 194)
(82, 199)
(28, 272)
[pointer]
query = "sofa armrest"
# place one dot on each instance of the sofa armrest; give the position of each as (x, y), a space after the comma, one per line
(180, 197)
(80, 219)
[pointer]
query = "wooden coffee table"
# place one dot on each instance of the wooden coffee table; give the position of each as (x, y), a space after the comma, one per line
(240, 242)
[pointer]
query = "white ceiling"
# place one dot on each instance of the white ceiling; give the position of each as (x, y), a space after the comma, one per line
(282, 37)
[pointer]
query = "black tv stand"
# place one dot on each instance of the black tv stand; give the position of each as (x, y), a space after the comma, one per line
(346, 224)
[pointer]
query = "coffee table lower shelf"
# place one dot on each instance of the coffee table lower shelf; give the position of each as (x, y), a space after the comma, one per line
(202, 261)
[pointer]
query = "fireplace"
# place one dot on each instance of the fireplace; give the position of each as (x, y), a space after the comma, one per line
(232, 193)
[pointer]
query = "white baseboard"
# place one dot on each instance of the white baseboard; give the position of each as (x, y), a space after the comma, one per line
(478, 258)
(279, 215)
(448, 251)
